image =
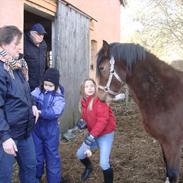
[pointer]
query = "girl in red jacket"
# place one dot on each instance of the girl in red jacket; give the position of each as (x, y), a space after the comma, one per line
(101, 123)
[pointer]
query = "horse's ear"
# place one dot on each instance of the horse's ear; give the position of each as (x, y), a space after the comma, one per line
(105, 48)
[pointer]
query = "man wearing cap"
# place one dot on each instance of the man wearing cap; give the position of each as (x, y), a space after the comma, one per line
(35, 49)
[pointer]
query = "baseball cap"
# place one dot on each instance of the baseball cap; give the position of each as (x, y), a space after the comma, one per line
(38, 28)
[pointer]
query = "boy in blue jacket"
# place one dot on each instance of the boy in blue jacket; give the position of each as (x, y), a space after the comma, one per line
(50, 102)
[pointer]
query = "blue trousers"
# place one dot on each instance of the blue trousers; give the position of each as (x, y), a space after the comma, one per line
(46, 139)
(25, 158)
(104, 143)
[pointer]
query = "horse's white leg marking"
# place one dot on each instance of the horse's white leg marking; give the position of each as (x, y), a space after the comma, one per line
(167, 180)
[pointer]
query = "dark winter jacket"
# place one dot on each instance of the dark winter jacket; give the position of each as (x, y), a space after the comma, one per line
(16, 117)
(36, 60)
(100, 119)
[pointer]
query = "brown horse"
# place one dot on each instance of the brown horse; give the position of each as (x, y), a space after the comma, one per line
(157, 89)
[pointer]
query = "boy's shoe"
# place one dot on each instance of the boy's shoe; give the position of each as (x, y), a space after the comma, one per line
(63, 180)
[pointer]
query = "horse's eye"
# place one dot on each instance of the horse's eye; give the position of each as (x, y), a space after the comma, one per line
(101, 68)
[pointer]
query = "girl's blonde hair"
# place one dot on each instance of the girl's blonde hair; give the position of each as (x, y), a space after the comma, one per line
(83, 95)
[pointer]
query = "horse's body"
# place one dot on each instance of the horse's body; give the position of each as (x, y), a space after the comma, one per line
(157, 89)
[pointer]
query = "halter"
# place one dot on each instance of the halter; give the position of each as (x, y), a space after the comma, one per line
(106, 88)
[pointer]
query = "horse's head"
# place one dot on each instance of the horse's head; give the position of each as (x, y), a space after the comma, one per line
(115, 64)
(111, 73)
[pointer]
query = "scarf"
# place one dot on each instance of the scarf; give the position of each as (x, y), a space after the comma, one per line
(11, 64)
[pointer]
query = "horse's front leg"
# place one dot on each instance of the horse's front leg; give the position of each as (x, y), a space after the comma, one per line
(171, 154)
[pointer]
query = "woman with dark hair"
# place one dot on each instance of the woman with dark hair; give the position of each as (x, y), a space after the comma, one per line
(17, 113)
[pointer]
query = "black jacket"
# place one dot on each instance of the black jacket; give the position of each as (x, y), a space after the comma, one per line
(16, 117)
(36, 60)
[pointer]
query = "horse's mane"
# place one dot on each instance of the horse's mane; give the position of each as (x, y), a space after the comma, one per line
(128, 52)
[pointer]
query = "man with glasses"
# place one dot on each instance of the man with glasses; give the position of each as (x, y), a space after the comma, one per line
(35, 49)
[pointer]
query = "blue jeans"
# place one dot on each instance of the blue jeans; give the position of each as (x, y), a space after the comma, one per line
(26, 160)
(104, 143)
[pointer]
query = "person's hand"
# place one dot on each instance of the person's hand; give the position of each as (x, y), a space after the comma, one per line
(36, 112)
(81, 124)
(87, 150)
(10, 147)
(88, 153)
(89, 140)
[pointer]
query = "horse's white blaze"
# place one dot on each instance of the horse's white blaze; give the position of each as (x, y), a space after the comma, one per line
(167, 180)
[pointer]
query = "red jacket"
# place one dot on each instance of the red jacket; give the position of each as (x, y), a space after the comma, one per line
(100, 119)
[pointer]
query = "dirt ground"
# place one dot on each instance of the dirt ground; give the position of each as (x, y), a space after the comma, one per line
(135, 157)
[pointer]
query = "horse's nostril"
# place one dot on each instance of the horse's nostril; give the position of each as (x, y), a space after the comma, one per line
(105, 89)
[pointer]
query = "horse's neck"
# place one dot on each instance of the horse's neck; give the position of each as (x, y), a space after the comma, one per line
(152, 82)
